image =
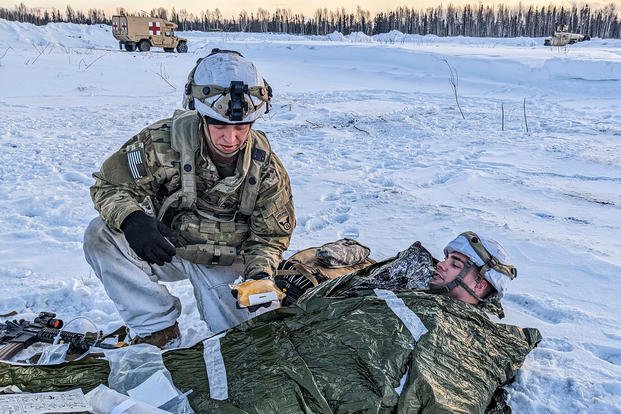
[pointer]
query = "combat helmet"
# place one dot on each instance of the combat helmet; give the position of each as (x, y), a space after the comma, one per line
(488, 255)
(227, 88)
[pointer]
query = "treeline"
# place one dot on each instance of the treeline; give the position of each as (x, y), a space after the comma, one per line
(466, 20)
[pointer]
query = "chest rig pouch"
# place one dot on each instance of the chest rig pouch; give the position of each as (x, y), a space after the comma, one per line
(211, 237)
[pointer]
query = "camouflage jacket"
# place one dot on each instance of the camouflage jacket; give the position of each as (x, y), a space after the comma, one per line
(117, 193)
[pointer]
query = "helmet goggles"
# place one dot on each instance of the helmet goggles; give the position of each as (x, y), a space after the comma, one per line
(234, 102)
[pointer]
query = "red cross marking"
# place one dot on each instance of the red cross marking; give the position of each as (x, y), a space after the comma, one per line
(154, 28)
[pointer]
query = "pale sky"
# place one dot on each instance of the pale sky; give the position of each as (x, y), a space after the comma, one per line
(231, 8)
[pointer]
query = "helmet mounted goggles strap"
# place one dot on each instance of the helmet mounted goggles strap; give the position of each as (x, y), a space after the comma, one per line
(216, 50)
(207, 91)
(489, 261)
(232, 99)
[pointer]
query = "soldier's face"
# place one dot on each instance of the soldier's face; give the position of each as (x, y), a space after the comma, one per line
(228, 138)
(448, 269)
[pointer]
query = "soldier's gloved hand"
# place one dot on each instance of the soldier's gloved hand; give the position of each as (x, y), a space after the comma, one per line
(256, 292)
(146, 237)
(294, 286)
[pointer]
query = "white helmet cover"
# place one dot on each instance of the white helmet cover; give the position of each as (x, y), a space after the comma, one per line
(498, 279)
(210, 88)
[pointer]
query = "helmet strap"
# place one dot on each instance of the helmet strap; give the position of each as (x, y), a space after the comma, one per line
(217, 155)
(188, 86)
(458, 281)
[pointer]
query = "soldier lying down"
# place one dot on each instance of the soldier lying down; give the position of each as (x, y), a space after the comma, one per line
(460, 360)
(475, 270)
(366, 342)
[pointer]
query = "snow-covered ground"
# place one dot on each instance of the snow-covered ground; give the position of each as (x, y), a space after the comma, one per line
(376, 149)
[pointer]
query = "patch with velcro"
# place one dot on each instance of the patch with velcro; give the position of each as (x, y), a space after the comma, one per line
(137, 166)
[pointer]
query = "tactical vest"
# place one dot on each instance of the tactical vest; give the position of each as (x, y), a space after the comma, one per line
(211, 237)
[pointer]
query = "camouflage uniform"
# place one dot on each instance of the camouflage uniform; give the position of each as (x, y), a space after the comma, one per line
(257, 240)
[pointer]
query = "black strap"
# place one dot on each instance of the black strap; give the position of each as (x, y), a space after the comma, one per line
(458, 281)
(216, 50)
(469, 290)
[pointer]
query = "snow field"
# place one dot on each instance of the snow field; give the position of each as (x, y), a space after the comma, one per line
(376, 150)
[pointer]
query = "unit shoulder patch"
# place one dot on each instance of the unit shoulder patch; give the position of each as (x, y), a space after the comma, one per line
(284, 221)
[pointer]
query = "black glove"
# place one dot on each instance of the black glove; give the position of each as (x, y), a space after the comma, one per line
(294, 286)
(145, 236)
(253, 308)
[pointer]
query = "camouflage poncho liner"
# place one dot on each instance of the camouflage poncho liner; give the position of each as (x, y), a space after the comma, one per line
(341, 349)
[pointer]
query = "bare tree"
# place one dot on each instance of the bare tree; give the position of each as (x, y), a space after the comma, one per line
(263, 16)
(87, 65)
(497, 20)
(4, 54)
(525, 120)
(454, 82)
(162, 74)
(502, 116)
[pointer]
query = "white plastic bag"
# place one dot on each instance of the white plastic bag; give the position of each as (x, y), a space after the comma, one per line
(103, 400)
(53, 354)
(139, 371)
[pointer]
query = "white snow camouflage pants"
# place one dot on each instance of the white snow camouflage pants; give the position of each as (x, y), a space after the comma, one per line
(147, 306)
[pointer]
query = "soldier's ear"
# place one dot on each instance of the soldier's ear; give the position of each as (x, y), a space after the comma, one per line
(482, 288)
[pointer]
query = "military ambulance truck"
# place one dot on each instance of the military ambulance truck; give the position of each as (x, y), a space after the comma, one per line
(563, 37)
(143, 33)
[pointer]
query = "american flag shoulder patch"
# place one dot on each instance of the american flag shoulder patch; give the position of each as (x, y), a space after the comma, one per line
(137, 167)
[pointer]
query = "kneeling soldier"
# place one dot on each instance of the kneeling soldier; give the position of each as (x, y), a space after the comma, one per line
(198, 196)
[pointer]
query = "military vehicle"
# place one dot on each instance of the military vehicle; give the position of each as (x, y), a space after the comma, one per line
(142, 33)
(563, 37)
